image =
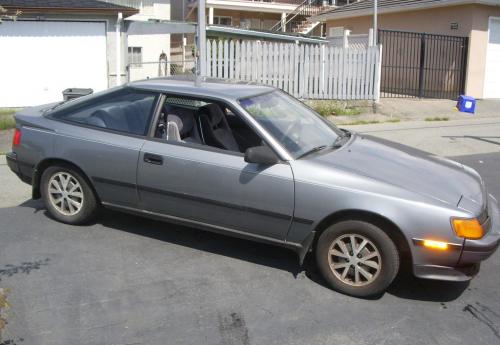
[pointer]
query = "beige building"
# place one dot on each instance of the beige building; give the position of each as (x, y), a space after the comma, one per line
(477, 19)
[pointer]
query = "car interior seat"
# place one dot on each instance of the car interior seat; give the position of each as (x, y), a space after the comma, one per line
(215, 130)
(174, 126)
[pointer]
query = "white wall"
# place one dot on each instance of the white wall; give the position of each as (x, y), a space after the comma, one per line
(152, 46)
(152, 40)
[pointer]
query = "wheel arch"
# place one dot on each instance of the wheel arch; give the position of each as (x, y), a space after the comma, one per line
(385, 224)
(48, 162)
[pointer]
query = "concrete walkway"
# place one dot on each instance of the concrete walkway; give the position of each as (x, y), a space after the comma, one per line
(409, 109)
(12, 190)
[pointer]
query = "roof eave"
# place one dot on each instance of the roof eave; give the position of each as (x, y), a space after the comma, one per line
(128, 11)
(322, 17)
(263, 34)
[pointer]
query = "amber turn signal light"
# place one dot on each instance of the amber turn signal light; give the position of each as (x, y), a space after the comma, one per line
(435, 244)
(467, 228)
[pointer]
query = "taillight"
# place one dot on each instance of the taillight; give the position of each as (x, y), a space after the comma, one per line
(16, 140)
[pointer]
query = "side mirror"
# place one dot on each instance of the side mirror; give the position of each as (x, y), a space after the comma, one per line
(261, 155)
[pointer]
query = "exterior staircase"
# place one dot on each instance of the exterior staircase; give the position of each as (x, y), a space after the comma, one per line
(297, 21)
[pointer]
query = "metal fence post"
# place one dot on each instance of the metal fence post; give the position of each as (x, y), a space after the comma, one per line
(463, 75)
(422, 66)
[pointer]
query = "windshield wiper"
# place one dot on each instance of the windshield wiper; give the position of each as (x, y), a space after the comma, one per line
(341, 140)
(314, 149)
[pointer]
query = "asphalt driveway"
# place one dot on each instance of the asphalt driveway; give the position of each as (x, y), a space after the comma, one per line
(127, 280)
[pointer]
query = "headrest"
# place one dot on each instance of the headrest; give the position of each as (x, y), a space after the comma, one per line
(214, 112)
(177, 120)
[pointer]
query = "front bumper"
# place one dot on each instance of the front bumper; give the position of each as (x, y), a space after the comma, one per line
(472, 253)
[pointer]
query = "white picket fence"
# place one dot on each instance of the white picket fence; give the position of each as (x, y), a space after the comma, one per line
(305, 71)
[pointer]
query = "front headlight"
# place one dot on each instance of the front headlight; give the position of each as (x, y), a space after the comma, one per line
(470, 228)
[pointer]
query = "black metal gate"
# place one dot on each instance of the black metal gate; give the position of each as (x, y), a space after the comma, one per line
(422, 65)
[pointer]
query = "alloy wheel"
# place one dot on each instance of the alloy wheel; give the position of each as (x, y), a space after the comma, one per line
(354, 259)
(65, 193)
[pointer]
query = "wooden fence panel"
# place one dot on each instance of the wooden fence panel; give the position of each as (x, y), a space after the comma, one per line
(305, 70)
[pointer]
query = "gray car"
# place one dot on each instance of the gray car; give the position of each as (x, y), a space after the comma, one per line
(253, 162)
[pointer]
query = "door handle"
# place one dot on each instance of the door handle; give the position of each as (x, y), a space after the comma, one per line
(153, 159)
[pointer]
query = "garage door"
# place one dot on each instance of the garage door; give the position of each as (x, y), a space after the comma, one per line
(492, 76)
(39, 59)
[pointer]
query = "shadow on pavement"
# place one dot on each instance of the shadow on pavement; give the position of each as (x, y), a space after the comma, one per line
(495, 141)
(405, 286)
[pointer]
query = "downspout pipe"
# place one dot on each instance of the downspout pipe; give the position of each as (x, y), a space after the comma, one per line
(118, 59)
(375, 20)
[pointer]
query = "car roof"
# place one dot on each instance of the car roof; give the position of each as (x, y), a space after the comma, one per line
(209, 87)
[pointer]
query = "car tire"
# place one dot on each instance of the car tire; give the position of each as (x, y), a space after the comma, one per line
(67, 195)
(364, 274)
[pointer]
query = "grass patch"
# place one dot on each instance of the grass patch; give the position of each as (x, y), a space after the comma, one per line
(360, 122)
(7, 118)
(7, 122)
(437, 118)
(394, 120)
(8, 111)
(334, 108)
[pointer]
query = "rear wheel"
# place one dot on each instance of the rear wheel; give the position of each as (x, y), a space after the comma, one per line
(67, 195)
(357, 258)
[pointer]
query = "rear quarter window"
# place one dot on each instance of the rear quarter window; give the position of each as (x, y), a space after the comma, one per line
(126, 110)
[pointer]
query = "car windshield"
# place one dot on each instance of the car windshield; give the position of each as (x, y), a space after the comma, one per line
(297, 127)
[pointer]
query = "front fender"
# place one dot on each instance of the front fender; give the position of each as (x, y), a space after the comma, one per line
(416, 219)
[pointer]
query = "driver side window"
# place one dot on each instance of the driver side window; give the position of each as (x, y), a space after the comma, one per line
(204, 122)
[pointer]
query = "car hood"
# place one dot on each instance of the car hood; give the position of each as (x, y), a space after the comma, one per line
(401, 166)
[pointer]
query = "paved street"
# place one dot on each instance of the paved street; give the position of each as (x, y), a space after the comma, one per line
(127, 280)
(448, 138)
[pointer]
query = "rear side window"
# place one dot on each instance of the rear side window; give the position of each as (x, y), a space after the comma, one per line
(126, 110)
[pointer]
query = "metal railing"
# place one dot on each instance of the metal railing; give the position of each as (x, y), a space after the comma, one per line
(422, 65)
(298, 17)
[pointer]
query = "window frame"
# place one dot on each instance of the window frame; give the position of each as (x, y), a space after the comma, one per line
(107, 94)
(222, 103)
(131, 54)
(223, 17)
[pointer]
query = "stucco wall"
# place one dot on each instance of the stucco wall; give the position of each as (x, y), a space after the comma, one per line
(472, 22)
(153, 40)
(477, 49)
(152, 46)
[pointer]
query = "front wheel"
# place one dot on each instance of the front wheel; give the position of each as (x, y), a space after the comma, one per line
(67, 195)
(357, 258)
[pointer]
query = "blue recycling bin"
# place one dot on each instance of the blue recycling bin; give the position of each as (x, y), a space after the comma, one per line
(466, 104)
